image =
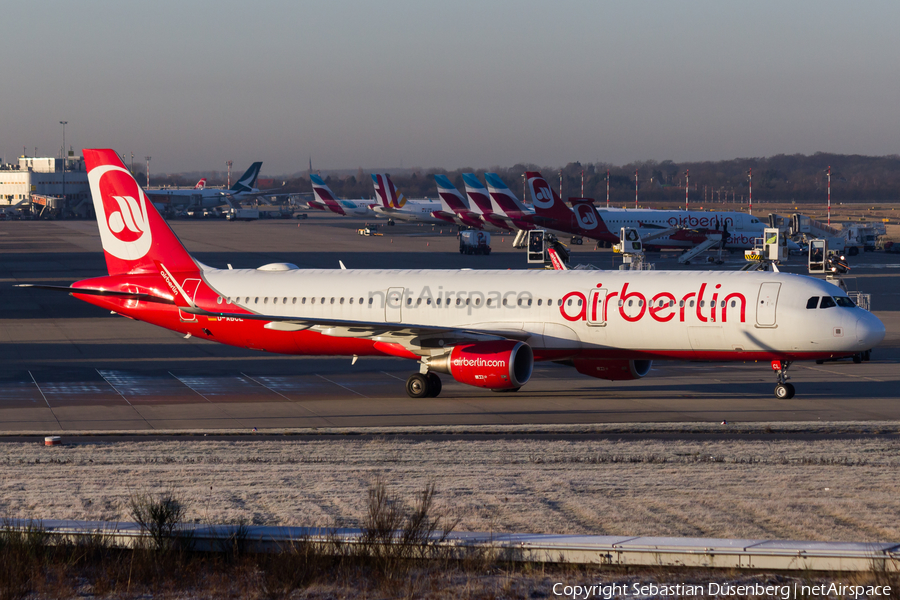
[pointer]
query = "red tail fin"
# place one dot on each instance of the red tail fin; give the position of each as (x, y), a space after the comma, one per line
(133, 234)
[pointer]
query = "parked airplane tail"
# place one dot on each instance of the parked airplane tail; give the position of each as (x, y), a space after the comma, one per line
(583, 216)
(479, 199)
(387, 192)
(451, 198)
(201, 184)
(503, 196)
(324, 194)
(247, 182)
(135, 237)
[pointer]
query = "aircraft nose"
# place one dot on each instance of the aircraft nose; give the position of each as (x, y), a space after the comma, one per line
(869, 331)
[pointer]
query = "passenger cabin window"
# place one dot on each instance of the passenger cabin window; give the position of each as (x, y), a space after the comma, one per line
(813, 302)
(827, 302)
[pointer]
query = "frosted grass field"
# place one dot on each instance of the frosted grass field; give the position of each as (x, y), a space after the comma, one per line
(821, 489)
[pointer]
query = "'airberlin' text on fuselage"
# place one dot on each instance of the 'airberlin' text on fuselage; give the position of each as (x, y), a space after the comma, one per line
(702, 221)
(662, 307)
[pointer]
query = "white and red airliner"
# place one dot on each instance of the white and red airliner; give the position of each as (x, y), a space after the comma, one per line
(483, 328)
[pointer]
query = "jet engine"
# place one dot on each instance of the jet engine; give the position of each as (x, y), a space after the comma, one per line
(496, 365)
(613, 370)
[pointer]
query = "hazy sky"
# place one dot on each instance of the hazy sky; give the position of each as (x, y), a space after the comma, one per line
(450, 84)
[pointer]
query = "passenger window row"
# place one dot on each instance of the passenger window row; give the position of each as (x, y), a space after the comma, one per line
(361, 301)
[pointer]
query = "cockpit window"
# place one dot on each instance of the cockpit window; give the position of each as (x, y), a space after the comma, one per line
(827, 302)
(844, 301)
(813, 302)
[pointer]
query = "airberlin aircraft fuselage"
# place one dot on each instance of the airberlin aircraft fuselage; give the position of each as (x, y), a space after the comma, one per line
(484, 328)
(559, 314)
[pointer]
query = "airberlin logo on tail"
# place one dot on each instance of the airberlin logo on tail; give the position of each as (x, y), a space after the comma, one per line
(586, 216)
(542, 197)
(124, 229)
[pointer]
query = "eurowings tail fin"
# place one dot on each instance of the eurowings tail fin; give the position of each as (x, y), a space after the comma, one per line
(503, 196)
(324, 194)
(479, 198)
(451, 199)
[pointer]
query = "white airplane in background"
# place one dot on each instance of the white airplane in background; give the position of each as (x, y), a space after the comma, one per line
(483, 328)
(393, 205)
(203, 197)
(685, 229)
(326, 200)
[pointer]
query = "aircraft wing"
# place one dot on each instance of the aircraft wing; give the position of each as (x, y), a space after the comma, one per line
(419, 339)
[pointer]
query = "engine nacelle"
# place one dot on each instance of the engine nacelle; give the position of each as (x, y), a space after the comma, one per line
(613, 370)
(496, 365)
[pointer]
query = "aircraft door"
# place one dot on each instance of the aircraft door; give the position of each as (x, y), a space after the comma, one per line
(766, 303)
(190, 287)
(393, 305)
(595, 308)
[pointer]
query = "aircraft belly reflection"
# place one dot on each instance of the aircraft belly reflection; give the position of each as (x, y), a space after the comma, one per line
(483, 328)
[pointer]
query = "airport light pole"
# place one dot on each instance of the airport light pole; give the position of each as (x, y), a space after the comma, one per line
(229, 162)
(63, 123)
(147, 158)
(607, 188)
(829, 195)
(635, 189)
(687, 186)
(750, 192)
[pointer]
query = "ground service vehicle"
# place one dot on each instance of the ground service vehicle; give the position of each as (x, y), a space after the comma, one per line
(474, 242)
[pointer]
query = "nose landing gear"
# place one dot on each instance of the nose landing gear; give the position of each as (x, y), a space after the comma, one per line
(783, 390)
(423, 385)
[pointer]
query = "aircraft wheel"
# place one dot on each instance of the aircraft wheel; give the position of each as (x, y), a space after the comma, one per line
(820, 362)
(784, 391)
(417, 386)
(434, 385)
(857, 358)
(391, 222)
(687, 262)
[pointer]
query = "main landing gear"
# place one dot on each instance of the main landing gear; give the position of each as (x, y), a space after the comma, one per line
(783, 390)
(423, 385)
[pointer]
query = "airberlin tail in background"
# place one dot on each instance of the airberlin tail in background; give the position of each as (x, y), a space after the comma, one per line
(134, 235)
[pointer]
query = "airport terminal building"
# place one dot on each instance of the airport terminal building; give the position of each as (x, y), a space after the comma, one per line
(44, 177)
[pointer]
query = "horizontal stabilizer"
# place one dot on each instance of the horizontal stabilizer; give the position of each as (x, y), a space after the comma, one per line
(93, 292)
